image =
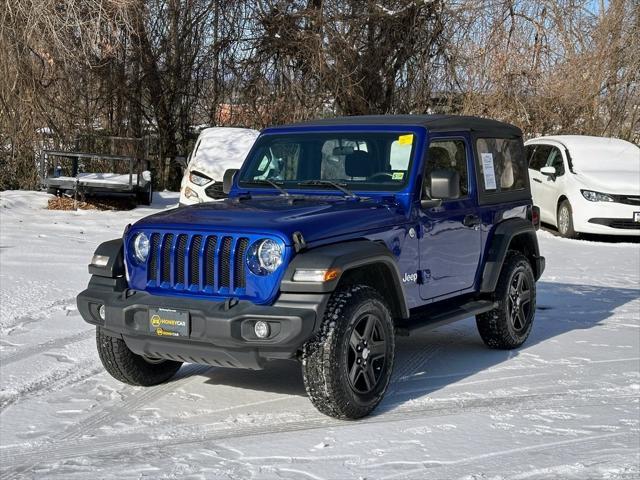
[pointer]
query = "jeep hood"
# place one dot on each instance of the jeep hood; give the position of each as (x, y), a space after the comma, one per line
(316, 218)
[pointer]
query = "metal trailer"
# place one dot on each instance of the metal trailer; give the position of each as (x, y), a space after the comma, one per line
(136, 182)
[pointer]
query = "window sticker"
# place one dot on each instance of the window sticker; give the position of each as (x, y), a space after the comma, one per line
(406, 139)
(397, 176)
(488, 171)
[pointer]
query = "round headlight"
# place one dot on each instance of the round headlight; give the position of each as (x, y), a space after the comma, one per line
(141, 247)
(264, 256)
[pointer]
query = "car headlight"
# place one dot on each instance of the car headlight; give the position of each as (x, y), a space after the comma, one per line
(596, 196)
(264, 256)
(141, 247)
(198, 179)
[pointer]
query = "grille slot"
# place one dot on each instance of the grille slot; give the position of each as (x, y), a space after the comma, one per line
(153, 260)
(239, 278)
(209, 261)
(166, 258)
(199, 263)
(225, 263)
(194, 260)
(181, 250)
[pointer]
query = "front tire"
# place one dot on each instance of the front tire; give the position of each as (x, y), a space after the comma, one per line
(347, 365)
(565, 220)
(128, 367)
(508, 325)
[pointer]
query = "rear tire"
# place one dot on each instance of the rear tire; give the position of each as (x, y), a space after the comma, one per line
(128, 367)
(347, 365)
(508, 325)
(565, 220)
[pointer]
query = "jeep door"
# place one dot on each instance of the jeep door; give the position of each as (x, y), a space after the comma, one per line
(450, 237)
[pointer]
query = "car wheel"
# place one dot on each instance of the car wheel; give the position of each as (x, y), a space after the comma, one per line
(128, 367)
(565, 220)
(347, 366)
(508, 325)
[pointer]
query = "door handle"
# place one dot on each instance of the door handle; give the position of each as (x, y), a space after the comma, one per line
(471, 220)
(537, 180)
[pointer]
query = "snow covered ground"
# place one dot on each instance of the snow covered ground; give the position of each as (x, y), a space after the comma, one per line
(566, 405)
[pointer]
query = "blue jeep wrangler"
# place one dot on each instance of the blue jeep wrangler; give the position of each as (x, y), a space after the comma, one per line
(338, 235)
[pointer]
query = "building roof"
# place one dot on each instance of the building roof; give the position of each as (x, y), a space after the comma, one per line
(431, 122)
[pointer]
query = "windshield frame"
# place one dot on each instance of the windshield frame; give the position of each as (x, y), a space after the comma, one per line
(292, 186)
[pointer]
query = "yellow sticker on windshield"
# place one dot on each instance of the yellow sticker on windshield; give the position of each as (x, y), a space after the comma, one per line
(397, 176)
(405, 139)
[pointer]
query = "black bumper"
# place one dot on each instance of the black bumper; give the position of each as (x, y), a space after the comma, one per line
(221, 333)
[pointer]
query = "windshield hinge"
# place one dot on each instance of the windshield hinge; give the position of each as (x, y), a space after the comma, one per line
(298, 241)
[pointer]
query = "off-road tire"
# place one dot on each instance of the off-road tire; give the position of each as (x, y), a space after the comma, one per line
(496, 326)
(325, 357)
(124, 365)
(566, 230)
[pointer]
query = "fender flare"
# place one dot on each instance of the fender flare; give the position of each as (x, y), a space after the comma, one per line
(499, 243)
(114, 250)
(344, 257)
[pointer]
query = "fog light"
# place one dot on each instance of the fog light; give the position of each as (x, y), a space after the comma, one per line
(262, 329)
(102, 312)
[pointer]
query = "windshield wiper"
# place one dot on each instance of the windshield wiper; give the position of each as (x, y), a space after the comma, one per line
(264, 181)
(329, 183)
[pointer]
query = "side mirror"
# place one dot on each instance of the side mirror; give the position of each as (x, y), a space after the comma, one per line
(445, 184)
(549, 171)
(227, 180)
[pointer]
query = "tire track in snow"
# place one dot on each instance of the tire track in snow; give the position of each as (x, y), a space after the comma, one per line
(52, 380)
(48, 345)
(36, 315)
(133, 403)
(21, 458)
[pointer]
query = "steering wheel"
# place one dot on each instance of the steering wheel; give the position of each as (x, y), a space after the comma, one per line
(384, 176)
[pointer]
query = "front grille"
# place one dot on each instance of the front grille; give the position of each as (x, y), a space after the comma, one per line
(215, 191)
(620, 223)
(627, 199)
(197, 263)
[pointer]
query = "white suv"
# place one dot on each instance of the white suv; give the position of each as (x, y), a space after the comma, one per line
(216, 150)
(586, 184)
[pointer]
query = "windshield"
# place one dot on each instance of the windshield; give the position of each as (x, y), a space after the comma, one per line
(356, 161)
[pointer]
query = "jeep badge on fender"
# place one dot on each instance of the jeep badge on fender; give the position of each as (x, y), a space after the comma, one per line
(303, 261)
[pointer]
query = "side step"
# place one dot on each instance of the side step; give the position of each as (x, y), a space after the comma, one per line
(439, 314)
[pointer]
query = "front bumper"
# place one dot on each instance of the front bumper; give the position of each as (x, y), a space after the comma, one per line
(221, 332)
(607, 218)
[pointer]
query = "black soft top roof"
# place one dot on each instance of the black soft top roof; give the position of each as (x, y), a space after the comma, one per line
(482, 126)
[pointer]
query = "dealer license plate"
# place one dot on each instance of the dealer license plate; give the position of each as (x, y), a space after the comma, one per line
(636, 217)
(167, 322)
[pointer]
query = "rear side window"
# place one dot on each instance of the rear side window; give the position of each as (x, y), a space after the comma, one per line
(502, 164)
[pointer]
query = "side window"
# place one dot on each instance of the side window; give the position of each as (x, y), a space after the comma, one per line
(539, 157)
(555, 161)
(448, 154)
(502, 164)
